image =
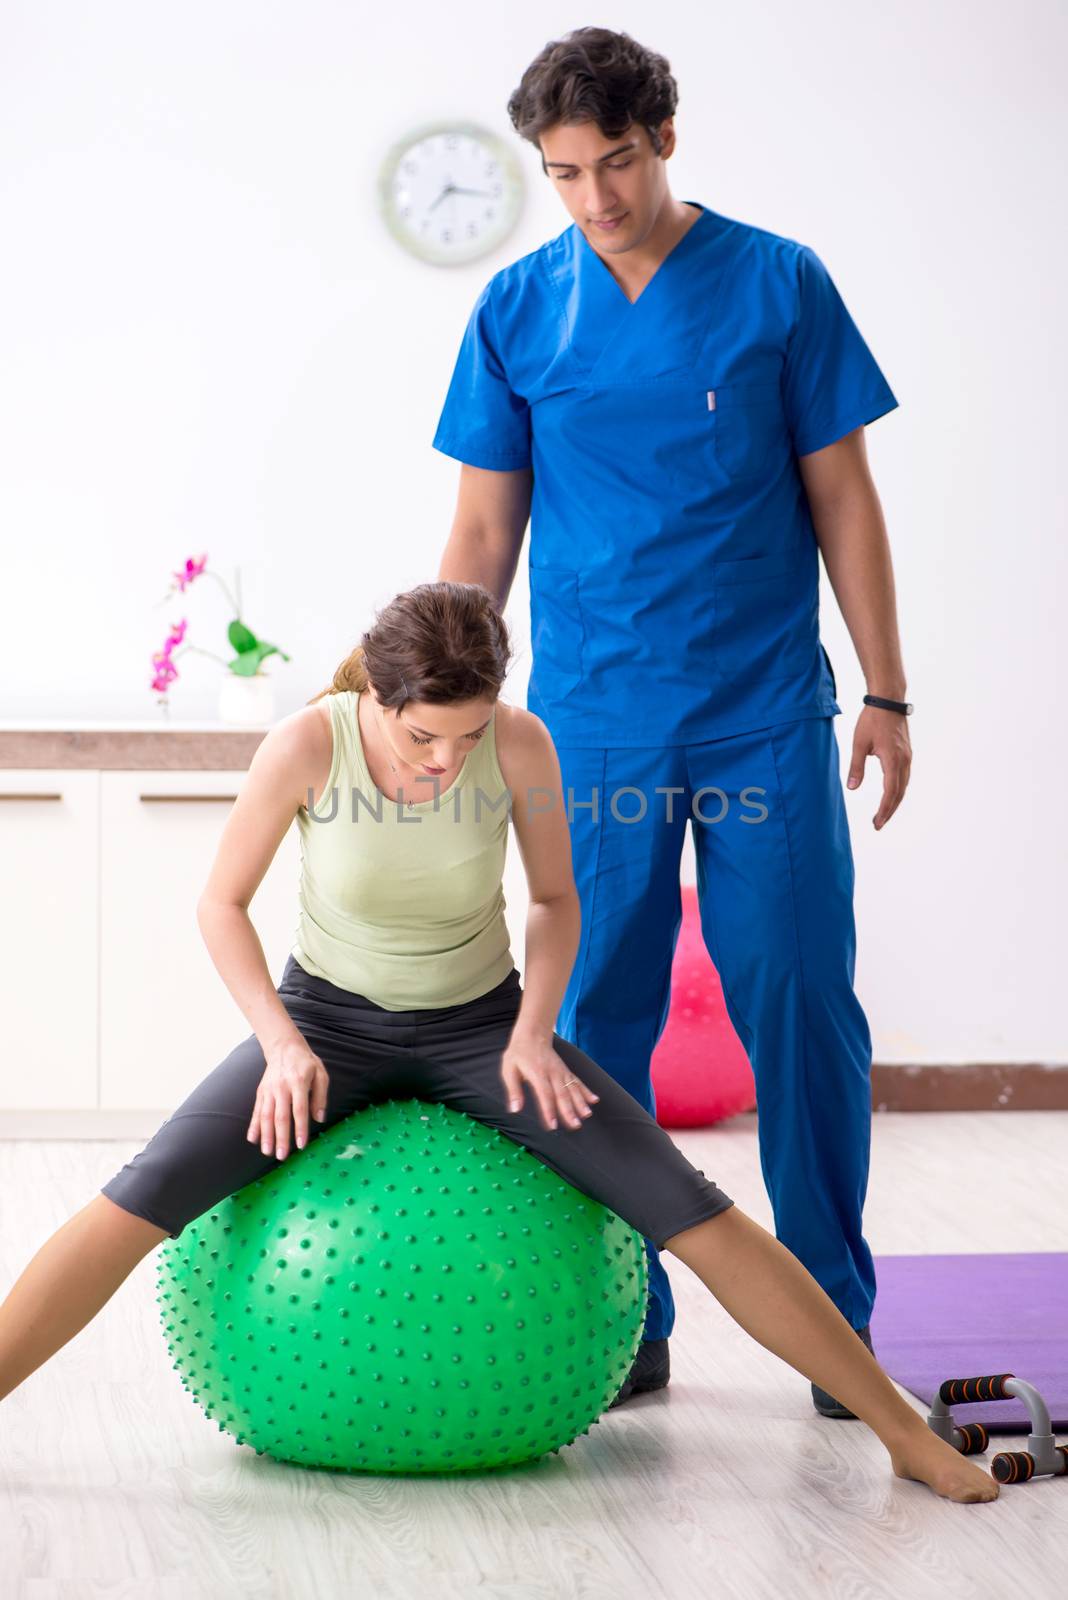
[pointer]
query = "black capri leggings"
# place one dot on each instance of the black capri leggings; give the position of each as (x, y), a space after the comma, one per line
(619, 1154)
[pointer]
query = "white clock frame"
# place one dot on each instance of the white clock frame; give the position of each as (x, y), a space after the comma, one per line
(439, 165)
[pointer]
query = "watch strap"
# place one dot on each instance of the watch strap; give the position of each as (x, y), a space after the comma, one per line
(904, 706)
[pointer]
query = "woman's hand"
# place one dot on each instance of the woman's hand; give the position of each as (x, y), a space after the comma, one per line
(530, 1058)
(294, 1074)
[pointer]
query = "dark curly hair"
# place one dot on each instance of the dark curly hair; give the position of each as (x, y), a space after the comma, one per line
(594, 75)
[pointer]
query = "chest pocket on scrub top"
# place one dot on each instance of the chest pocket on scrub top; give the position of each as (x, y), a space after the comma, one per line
(746, 427)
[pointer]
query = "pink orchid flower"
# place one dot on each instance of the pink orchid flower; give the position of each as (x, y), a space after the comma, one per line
(193, 569)
(165, 669)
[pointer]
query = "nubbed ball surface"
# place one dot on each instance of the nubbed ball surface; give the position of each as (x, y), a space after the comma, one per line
(412, 1292)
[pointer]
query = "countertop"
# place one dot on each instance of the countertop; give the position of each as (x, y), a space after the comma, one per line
(162, 746)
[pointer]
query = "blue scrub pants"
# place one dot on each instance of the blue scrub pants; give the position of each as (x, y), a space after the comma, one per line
(776, 904)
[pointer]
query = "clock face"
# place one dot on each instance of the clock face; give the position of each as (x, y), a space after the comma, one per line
(451, 192)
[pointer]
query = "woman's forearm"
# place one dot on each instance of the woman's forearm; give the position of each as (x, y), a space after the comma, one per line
(552, 938)
(235, 948)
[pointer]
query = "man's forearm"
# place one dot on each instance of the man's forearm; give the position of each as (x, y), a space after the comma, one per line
(851, 534)
(471, 557)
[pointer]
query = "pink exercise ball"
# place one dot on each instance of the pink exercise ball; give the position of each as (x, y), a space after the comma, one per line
(700, 1072)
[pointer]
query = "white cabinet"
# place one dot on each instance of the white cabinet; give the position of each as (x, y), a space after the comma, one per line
(166, 1016)
(109, 998)
(49, 903)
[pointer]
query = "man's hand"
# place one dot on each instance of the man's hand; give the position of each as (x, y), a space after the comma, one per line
(884, 734)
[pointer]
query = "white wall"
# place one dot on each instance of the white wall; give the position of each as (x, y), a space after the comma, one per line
(211, 342)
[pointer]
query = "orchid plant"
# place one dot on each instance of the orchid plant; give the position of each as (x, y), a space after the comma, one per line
(251, 652)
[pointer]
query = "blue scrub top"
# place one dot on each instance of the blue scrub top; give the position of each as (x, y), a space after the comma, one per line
(674, 569)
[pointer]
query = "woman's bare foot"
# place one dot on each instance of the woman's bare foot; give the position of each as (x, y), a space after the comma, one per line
(929, 1459)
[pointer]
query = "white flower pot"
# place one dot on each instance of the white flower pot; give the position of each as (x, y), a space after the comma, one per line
(246, 702)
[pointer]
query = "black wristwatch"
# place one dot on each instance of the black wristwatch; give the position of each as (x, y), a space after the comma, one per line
(889, 705)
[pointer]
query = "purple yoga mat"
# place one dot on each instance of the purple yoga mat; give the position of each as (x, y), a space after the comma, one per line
(939, 1317)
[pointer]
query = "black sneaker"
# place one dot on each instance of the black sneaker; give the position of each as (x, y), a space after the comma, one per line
(825, 1403)
(651, 1370)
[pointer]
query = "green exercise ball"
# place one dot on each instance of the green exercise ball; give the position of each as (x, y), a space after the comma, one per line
(412, 1292)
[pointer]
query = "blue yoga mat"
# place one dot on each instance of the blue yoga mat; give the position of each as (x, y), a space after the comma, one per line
(971, 1316)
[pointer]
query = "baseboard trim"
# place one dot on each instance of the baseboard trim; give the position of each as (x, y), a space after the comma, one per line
(996, 1086)
(975, 1086)
(81, 1123)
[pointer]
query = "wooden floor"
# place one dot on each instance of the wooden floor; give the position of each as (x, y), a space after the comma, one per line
(726, 1484)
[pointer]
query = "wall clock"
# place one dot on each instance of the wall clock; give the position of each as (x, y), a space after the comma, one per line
(450, 192)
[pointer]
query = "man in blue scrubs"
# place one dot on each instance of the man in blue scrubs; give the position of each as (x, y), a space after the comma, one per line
(677, 401)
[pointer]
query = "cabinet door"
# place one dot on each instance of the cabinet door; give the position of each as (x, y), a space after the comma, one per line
(48, 938)
(166, 1017)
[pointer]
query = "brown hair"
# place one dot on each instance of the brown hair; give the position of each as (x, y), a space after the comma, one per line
(594, 75)
(438, 643)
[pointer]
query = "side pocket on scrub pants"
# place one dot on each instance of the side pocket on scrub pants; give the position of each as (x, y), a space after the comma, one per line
(556, 632)
(766, 623)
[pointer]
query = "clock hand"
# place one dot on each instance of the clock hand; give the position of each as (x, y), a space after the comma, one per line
(455, 188)
(446, 191)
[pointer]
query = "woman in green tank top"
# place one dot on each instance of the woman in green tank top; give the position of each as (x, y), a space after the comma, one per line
(402, 776)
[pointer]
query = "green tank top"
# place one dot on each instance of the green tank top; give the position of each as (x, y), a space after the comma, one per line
(404, 904)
